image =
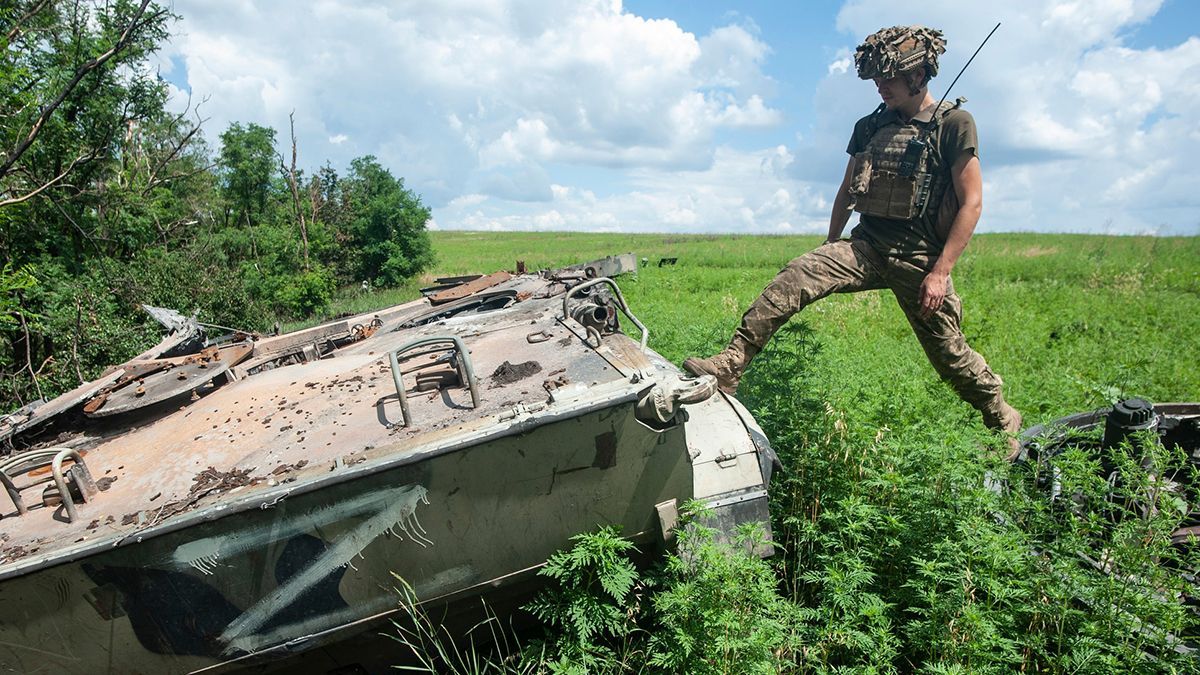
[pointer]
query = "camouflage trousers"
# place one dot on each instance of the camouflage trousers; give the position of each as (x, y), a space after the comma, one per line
(848, 266)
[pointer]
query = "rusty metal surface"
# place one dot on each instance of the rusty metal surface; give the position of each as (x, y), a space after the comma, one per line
(146, 383)
(10, 427)
(469, 288)
(320, 411)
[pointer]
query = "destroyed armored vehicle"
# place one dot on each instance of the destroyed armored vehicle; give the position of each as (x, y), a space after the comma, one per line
(1113, 436)
(220, 504)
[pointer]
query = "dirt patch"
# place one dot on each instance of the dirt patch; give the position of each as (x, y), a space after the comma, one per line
(507, 373)
(1037, 251)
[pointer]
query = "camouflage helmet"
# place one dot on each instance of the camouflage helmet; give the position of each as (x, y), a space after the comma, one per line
(891, 51)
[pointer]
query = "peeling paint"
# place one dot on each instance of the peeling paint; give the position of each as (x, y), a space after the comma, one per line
(204, 554)
(399, 515)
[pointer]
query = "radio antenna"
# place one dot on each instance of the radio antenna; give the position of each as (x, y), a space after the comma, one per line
(964, 68)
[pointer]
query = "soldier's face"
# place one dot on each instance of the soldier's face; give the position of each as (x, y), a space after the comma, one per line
(894, 91)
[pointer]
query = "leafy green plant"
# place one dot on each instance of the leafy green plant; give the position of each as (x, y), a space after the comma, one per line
(897, 551)
(717, 608)
(591, 604)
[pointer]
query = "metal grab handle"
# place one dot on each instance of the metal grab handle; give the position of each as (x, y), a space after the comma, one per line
(56, 469)
(466, 372)
(23, 463)
(624, 307)
(34, 459)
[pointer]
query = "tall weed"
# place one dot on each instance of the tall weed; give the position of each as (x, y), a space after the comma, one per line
(904, 543)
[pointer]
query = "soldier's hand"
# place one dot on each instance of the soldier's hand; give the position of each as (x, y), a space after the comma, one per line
(933, 292)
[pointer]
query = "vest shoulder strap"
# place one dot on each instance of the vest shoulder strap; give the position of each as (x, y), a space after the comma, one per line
(873, 120)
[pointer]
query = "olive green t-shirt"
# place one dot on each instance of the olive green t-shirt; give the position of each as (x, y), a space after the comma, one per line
(921, 236)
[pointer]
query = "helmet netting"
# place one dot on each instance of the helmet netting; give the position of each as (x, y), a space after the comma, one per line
(891, 51)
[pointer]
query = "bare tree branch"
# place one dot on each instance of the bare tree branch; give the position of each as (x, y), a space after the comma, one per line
(29, 355)
(33, 193)
(153, 181)
(87, 236)
(139, 19)
(291, 175)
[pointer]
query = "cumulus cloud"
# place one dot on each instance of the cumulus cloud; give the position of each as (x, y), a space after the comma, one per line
(476, 96)
(557, 114)
(1078, 131)
(739, 192)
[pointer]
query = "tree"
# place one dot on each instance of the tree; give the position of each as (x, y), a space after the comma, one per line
(387, 228)
(107, 200)
(74, 87)
(247, 163)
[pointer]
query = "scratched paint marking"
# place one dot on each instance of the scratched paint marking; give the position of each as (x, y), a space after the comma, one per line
(385, 603)
(397, 515)
(205, 555)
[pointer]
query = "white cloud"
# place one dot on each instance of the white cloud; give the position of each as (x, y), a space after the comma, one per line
(1077, 130)
(733, 56)
(452, 95)
(842, 64)
(740, 192)
(557, 114)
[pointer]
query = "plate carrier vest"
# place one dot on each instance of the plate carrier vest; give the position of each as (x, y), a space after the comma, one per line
(888, 184)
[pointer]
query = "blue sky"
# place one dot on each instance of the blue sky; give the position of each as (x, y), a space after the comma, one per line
(704, 116)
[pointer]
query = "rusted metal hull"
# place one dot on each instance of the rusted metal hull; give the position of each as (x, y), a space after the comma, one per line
(277, 508)
(300, 572)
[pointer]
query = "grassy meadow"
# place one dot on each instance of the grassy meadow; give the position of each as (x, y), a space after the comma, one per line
(1064, 319)
(893, 555)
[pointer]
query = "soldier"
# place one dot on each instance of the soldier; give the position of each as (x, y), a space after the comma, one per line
(914, 178)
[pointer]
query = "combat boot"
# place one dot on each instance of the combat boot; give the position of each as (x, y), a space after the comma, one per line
(727, 366)
(759, 323)
(1004, 417)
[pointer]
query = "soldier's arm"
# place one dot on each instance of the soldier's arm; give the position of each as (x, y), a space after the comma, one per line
(968, 187)
(841, 206)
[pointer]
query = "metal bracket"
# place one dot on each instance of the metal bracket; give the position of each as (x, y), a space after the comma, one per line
(668, 520)
(35, 459)
(466, 372)
(624, 307)
(726, 460)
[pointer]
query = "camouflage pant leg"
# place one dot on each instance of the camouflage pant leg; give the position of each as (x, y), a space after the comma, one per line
(942, 339)
(839, 267)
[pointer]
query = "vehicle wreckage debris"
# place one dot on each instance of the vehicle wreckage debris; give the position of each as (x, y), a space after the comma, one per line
(211, 480)
(507, 373)
(187, 542)
(285, 468)
(552, 383)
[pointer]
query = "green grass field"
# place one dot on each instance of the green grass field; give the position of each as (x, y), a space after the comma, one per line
(893, 556)
(1062, 318)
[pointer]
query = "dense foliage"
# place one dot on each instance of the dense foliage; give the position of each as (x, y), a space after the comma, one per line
(897, 549)
(109, 200)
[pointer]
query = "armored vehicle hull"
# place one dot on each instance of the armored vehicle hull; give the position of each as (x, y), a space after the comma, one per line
(222, 520)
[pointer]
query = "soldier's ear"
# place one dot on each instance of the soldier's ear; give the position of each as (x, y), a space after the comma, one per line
(916, 79)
